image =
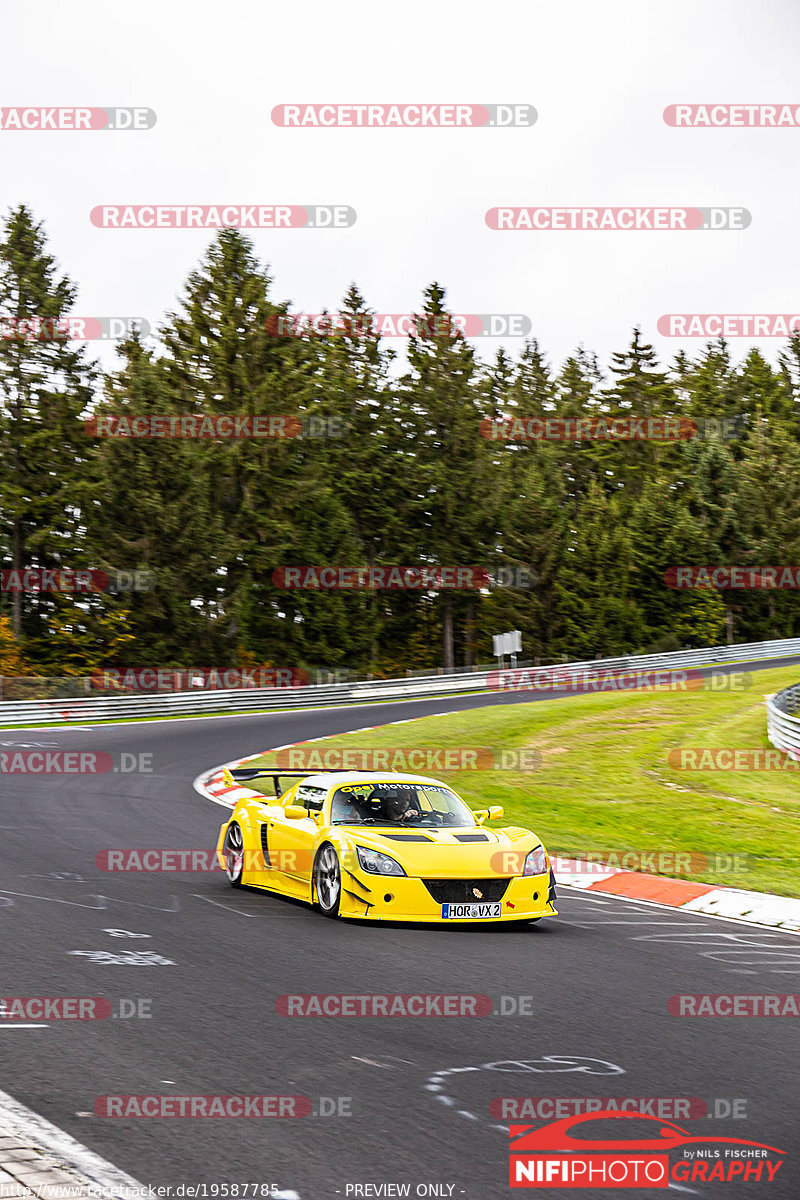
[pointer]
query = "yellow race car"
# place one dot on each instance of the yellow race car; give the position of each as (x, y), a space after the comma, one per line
(383, 847)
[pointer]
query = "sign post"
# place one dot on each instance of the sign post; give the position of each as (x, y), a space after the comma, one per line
(507, 643)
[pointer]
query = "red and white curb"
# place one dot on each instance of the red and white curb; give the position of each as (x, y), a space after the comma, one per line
(212, 785)
(756, 908)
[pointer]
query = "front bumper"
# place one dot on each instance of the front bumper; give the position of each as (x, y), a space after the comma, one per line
(407, 898)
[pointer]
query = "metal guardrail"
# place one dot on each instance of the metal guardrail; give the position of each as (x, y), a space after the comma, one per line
(75, 711)
(783, 727)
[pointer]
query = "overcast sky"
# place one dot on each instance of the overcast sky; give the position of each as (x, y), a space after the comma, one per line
(599, 75)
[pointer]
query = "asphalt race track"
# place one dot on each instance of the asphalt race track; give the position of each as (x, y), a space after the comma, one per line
(419, 1089)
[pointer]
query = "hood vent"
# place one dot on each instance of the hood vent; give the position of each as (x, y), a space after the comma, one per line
(405, 837)
(471, 837)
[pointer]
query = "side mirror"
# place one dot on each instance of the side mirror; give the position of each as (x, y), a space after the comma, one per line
(295, 812)
(493, 813)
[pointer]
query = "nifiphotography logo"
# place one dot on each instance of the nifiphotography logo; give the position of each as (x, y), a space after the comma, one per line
(588, 1151)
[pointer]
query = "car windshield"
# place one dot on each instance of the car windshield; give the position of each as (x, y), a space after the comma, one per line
(408, 805)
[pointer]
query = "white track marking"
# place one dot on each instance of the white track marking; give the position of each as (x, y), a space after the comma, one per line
(50, 899)
(104, 901)
(737, 951)
(126, 958)
(670, 908)
(602, 921)
(217, 904)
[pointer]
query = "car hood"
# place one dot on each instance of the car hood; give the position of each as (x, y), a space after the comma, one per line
(450, 853)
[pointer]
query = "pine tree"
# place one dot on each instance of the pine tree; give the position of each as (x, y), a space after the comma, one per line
(45, 385)
(154, 513)
(451, 469)
(221, 357)
(640, 390)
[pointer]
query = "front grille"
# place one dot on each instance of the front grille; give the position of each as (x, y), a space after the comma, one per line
(460, 891)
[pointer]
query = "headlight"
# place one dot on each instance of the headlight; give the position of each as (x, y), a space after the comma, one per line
(536, 862)
(375, 863)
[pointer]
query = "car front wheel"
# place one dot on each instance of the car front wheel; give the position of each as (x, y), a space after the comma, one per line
(328, 881)
(233, 852)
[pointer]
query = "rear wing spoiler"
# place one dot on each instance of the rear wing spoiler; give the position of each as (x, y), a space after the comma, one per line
(235, 775)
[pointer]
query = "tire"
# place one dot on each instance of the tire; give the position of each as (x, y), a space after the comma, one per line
(233, 850)
(328, 881)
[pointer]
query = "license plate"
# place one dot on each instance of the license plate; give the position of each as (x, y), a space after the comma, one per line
(470, 912)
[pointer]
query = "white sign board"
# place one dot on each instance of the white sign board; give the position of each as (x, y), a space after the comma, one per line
(507, 643)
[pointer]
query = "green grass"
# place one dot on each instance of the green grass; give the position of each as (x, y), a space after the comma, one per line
(605, 782)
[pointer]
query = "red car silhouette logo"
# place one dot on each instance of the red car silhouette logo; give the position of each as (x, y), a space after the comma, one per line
(558, 1136)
